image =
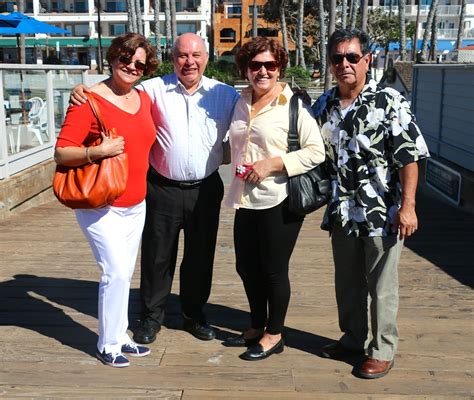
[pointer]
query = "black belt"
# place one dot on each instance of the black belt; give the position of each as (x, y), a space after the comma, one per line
(170, 182)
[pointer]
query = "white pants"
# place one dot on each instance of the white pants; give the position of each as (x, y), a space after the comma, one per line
(114, 236)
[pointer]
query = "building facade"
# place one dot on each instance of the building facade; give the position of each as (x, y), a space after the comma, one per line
(448, 16)
(233, 25)
(80, 17)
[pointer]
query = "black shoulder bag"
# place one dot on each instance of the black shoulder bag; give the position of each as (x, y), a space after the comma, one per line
(309, 191)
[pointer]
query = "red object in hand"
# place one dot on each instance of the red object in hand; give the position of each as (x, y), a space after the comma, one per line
(241, 170)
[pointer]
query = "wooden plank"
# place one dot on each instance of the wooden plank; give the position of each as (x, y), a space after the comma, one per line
(398, 382)
(246, 395)
(68, 391)
(48, 316)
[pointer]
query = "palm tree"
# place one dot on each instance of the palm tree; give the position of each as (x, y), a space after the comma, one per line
(426, 34)
(343, 14)
(284, 29)
(331, 29)
(139, 17)
(364, 14)
(168, 24)
(434, 36)
(299, 33)
(353, 13)
(157, 29)
(415, 39)
(461, 24)
(132, 16)
(403, 34)
(174, 33)
(322, 41)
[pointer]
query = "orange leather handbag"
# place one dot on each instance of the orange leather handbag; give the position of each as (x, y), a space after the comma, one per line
(93, 185)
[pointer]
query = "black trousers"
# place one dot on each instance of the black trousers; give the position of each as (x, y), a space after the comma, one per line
(170, 209)
(264, 241)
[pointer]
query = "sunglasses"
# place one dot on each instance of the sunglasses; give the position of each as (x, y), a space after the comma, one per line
(257, 65)
(352, 58)
(128, 60)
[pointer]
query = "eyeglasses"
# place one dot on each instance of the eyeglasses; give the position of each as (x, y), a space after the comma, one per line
(257, 65)
(352, 58)
(128, 60)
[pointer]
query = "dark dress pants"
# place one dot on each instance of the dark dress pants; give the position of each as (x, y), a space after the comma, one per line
(171, 209)
(264, 241)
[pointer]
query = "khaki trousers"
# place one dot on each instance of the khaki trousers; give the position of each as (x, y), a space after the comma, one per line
(366, 270)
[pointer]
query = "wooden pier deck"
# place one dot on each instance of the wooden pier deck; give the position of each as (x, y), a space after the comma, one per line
(48, 310)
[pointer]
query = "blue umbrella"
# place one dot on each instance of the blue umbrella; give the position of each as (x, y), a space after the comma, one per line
(20, 24)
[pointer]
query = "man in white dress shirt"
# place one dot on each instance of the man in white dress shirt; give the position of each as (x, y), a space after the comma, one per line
(192, 114)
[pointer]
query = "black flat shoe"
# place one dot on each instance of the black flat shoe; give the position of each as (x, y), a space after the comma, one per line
(146, 333)
(200, 330)
(240, 341)
(337, 351)
(256, 352)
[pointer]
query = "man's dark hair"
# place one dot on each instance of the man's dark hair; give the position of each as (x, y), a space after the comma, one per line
(343, 35)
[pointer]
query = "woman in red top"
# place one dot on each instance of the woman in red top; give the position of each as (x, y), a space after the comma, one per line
(114, 231)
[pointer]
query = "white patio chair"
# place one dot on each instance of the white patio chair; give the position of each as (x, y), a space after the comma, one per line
(36, 121)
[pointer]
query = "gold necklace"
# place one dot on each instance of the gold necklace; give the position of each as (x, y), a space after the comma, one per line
(115, 91)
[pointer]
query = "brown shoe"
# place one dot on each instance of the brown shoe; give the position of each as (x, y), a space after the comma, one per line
(337, 351)
(372, 368)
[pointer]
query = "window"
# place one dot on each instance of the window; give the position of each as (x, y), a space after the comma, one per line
(234, 11)
(183, 28)
(7, 6)
(228, 35)
(268, 32)
(259, 11)
(58, 6)
(81, 29)
(80, 6)
(117, 29)
(116, 6)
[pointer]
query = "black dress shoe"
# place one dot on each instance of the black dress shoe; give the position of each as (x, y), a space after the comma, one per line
(200, 330)
(257, 352)
(146, 333)
(240, 341)
(337, 351)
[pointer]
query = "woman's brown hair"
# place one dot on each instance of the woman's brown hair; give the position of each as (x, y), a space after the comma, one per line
(127, 44)
(259, 45)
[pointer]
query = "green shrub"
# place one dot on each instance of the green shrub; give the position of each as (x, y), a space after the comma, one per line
(221, 70)
(300, 75)
(166, 67)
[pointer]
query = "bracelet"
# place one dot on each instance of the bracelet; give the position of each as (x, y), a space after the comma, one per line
(88, 157)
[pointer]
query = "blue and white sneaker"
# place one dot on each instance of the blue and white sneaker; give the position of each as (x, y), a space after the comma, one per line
(135, 350)
(116, 360)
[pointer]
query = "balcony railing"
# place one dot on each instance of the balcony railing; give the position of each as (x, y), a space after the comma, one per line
(411, 10)
(35, 99)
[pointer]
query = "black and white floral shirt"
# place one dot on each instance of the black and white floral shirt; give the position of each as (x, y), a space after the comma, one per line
(364, 151)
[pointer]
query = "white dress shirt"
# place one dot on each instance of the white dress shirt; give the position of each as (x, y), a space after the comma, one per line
(266, 136)
(190, 128)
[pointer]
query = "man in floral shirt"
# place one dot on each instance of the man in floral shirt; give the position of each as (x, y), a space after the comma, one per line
(372, 145)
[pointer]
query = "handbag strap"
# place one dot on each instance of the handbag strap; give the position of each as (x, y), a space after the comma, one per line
(293, 142)
(97, 113)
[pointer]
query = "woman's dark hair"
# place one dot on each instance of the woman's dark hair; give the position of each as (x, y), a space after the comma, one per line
(259, 45)
(127, 44)
(344, 35)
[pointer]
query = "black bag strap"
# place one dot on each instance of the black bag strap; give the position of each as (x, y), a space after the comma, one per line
(97, 113)
(293, 141)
